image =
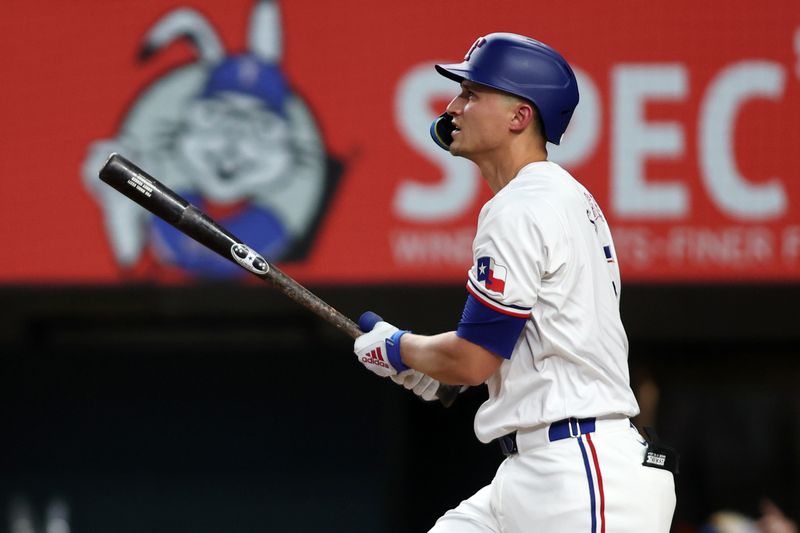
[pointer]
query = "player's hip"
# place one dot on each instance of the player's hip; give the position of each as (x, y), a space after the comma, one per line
(590, 482)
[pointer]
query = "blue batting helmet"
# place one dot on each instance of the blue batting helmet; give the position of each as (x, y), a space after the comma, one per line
(526, 68)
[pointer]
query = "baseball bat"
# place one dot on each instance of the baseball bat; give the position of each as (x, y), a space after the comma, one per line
(148, 192)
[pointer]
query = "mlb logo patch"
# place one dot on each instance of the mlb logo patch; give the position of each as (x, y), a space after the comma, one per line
(491, 274)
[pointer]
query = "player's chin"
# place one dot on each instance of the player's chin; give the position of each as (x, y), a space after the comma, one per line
(456, 147)
(460, 151)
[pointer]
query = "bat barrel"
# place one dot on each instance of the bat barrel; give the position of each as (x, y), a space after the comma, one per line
(148, 192)
(143, 189)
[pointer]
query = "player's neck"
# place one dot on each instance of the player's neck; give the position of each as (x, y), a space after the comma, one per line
(499, 169)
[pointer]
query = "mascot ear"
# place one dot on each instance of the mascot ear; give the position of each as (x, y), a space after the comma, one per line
(265, 38)
(442, 131)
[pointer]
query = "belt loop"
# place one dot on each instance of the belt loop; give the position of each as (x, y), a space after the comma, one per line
(508, 444)
(577, 433)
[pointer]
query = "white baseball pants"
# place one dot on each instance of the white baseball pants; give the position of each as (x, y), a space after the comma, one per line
(592, 483)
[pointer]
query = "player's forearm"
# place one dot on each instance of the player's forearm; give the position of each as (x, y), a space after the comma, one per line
(448, 358)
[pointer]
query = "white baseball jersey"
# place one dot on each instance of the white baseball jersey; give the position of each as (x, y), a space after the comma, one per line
(544, 294)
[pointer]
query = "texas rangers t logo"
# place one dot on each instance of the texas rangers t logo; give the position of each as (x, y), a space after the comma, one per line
(491, 274)
(480, 41)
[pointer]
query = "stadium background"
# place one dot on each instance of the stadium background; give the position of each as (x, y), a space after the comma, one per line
(142, 396)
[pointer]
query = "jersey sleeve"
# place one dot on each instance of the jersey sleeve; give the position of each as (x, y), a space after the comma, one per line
(511, 255)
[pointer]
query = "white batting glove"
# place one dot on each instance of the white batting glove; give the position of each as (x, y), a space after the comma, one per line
(420, 384)
(379, 349)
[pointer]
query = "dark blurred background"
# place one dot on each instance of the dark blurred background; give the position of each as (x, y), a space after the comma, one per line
(230, 408)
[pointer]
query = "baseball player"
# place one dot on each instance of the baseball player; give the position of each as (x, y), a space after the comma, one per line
(541, 325)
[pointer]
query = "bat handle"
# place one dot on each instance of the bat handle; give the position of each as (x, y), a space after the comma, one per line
(446, 394)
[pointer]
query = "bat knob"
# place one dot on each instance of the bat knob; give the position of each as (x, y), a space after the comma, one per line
(368, 320)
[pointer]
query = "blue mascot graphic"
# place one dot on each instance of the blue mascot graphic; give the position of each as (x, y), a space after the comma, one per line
(228, 133)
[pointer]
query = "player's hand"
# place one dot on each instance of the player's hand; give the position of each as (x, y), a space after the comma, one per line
(420, 384)
(379, 349)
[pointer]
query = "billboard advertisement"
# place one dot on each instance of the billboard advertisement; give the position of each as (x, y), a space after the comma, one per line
(302, 127)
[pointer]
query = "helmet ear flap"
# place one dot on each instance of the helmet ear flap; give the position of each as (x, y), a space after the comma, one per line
(442, 131)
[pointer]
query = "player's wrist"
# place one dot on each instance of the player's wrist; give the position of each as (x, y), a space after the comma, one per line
(393, 351)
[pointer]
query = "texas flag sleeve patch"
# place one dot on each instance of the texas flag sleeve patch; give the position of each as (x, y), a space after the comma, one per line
(492, 275)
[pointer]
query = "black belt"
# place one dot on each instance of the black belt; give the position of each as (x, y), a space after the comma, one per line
(563, 429)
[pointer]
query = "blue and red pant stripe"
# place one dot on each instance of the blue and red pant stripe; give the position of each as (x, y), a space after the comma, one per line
(591, 477)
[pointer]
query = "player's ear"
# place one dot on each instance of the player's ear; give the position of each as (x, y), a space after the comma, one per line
(524, 114)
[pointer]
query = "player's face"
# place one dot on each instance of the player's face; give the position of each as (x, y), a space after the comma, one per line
(481, 116)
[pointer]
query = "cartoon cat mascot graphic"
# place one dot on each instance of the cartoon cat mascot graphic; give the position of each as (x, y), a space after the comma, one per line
(227, 133)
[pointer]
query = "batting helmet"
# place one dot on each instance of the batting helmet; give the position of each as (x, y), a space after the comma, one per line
(526, 68)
